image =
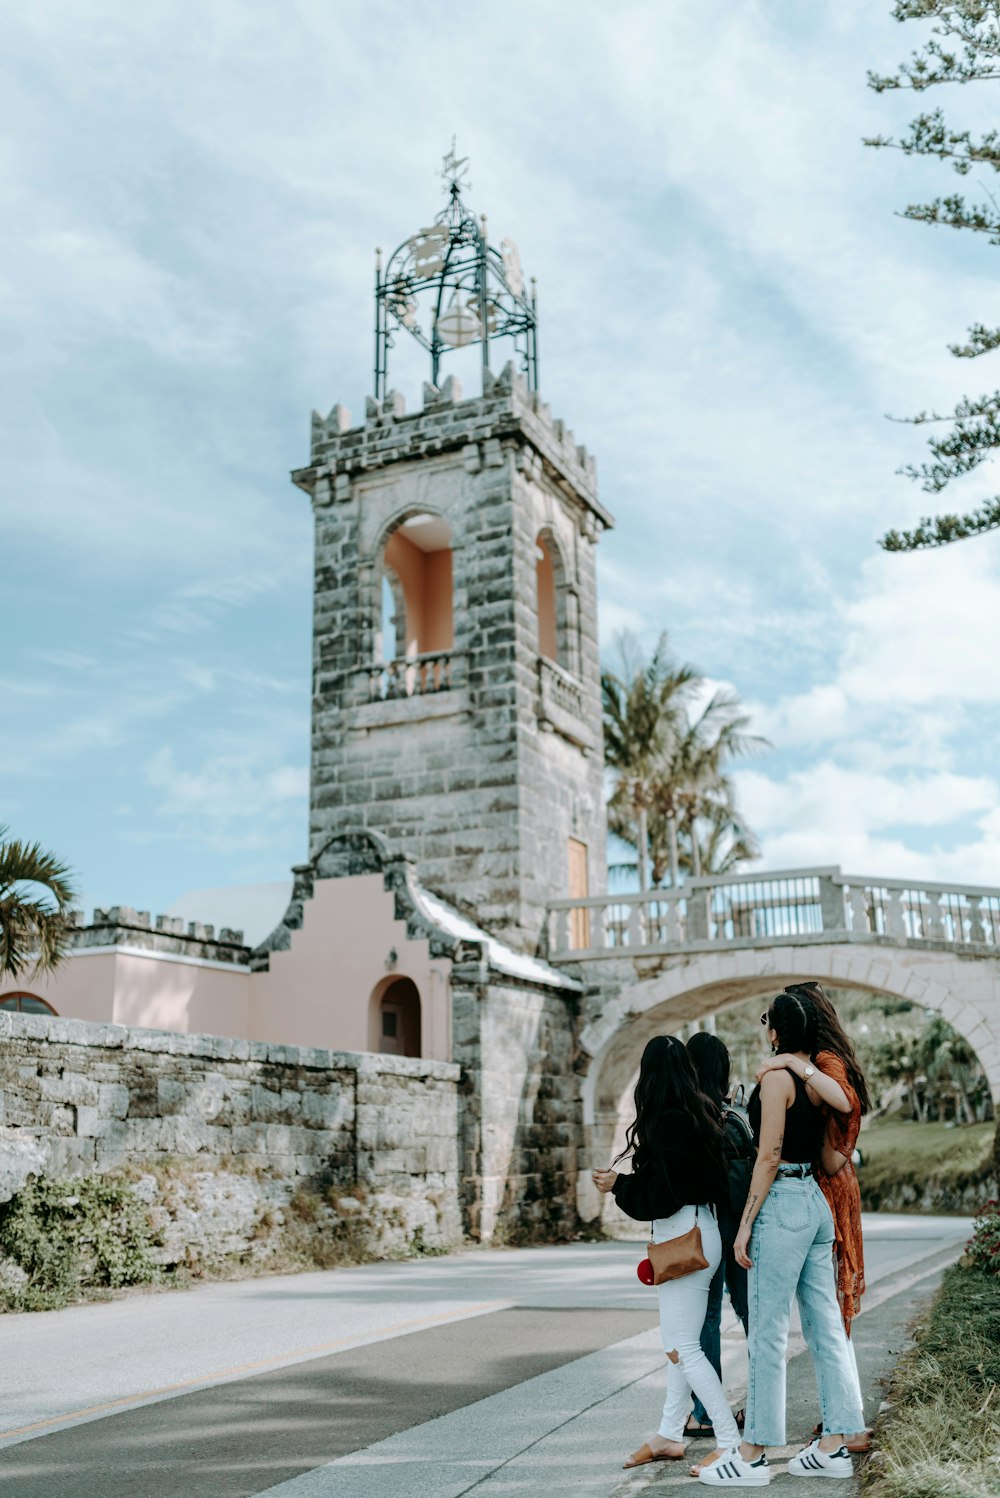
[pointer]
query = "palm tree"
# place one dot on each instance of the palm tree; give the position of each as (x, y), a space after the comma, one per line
(644, 719)
(728, 842)
(717, 736)
(36, 896)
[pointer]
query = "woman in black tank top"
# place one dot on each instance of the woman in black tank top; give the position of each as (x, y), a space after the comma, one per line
(785, 1241)
(805, 1124)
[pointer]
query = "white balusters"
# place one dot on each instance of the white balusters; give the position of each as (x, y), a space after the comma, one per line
(934, 926)
(895, 923)
(779, 908)
(859, 908)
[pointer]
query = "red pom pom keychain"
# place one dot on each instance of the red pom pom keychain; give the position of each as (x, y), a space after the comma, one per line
(645, 1272)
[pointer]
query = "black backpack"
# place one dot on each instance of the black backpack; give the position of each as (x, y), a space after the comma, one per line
(741, 1153)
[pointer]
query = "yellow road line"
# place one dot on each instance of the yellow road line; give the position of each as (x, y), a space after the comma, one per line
(360, 1339)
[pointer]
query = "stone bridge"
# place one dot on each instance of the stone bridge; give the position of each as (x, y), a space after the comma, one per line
(657, 961)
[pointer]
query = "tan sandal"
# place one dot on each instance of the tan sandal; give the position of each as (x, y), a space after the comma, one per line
(704, 1461)
(646, 1454)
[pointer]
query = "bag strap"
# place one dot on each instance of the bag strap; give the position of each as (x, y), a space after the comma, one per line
(696, 1210)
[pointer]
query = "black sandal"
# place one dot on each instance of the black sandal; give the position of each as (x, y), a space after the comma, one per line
(699, 1432)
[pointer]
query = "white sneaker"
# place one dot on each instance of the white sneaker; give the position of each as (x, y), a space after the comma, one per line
(815, 1463)
(730, 1470)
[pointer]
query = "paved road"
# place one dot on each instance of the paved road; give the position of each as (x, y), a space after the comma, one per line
(501, 1372)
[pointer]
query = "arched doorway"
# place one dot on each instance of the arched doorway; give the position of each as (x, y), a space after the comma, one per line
(394, 1017)
(25, 1003)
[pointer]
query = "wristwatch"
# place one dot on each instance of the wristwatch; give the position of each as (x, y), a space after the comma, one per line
(810, 1071)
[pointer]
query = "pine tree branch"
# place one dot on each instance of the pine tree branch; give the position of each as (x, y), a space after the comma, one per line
(974, 437)
(973, 24)
(987, 406)
(954, 213)
(929, 135)
(942, 530)
(982, 340)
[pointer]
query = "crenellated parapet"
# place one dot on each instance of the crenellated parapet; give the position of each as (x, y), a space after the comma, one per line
(507, 419)
(121, 926)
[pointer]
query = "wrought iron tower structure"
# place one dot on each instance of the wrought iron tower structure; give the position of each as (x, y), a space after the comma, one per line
(449, 287)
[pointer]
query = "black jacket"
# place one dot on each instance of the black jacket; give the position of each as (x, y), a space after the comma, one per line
(690, 1171)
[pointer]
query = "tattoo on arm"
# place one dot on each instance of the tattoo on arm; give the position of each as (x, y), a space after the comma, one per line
(751, 1203)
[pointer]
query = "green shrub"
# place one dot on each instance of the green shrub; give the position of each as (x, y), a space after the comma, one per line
(73, 1236)
(983, 1247)
(941, 1434)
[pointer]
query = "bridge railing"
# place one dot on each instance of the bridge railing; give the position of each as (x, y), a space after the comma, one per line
(915, 911)
(781, 906)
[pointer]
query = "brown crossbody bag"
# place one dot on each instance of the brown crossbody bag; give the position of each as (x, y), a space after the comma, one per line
(677, 1256)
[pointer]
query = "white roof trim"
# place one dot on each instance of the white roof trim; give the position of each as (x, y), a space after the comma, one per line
(501, 957)
(151, 956)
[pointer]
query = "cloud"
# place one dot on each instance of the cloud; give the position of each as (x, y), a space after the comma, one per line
(926, 628)
(864, 821)
(230, 801)
(729, 307)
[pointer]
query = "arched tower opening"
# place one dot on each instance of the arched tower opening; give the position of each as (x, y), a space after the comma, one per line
(545, 582)
(417, 556)
(555, 636)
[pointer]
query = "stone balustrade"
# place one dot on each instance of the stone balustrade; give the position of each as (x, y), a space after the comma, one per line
(412, 676)
(786, 906)
(562, 705)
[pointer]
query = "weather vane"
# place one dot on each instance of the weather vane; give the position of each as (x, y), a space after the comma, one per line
(454, 171)
(449, 287)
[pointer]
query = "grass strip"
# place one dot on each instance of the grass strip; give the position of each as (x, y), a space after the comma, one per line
(908, 1164)
(940, 1435)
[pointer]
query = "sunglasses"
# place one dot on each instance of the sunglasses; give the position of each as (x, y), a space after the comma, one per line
(763, 1018)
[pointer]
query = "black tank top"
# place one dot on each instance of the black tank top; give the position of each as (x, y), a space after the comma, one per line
(804, 1125)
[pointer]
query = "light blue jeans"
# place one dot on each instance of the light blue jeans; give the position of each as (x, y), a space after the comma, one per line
(791, 1249)
(682, 1314)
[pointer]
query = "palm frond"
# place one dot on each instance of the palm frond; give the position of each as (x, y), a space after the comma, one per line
(37, 893)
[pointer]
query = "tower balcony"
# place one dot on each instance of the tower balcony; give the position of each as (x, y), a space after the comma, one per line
(413, 676)
(562, 705)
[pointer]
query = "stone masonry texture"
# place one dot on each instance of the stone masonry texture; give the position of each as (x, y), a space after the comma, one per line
(99, 1097)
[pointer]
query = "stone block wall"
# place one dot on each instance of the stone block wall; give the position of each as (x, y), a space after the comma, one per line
(103, 1097)
(521, 1113)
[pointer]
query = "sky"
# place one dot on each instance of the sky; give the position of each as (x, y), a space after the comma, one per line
(729, 303)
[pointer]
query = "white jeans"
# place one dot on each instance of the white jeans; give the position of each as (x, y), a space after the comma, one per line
(683, 1303)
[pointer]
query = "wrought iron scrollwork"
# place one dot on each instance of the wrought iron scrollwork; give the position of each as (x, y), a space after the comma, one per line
(449, 287)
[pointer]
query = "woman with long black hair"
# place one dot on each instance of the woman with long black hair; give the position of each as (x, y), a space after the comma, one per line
(678, 1172)
(785, 1240)
(712, 1066)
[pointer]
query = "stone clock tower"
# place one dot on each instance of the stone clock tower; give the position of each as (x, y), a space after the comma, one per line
(456, 685)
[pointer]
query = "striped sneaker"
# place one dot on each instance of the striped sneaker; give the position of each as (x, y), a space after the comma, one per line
(730, 1470)
(815, 1463)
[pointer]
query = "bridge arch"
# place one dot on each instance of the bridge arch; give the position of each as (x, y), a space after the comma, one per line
(690, 986)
